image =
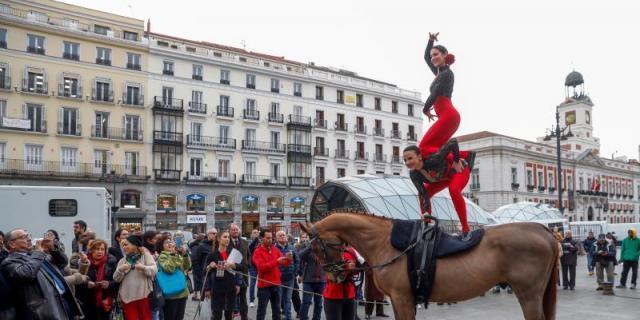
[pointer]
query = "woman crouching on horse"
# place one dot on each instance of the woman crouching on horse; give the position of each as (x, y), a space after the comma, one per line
(445, 168)
(340, 294)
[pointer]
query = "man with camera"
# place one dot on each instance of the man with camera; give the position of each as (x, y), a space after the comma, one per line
(604, 255)
(569, 260)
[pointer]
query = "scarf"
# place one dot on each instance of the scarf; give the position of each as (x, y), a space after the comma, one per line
(100, 266)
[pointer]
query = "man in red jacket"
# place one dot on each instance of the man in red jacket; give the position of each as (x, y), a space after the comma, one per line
(267, 259)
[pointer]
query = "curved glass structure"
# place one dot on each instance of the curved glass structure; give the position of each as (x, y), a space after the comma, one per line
(526, 211)
(390, 196)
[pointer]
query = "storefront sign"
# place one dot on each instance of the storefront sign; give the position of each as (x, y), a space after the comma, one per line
(298, 217)
(278, 217)
(16, 123)
(196, 219)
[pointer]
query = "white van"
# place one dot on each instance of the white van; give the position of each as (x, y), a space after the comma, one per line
(40, 208)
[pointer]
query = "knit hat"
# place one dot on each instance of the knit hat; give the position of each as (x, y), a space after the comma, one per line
(135, 240)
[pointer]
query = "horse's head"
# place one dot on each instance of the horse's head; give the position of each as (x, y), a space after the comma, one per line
(329, 249)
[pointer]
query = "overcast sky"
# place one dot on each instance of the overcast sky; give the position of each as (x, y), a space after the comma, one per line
(511, 58)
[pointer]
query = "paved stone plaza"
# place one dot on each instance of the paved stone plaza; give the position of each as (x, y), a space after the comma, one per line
(583, 303)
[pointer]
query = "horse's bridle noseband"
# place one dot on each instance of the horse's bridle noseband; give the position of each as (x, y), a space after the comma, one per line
(334, 267)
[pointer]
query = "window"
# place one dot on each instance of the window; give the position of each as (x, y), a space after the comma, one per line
(63, 207)
(166, 202)
(35, 44)
(101, 30)
(250, 168)
(3, 108)
(132, 127)
(275, 139)
(130, 199)
(196, 104)
(71, 51)
(410, 109)
(475, 179)
(251, 81)
(133, 95)
(250, 203)
(275, 85)
(377, 103)
(102, 90)
(5, 79)
(36, 82)
(195, 169)
(133, 61)
(167, 68)
(514, 175)
(101, 161)
(319, 175)
(550, 180)
(540, 179)
(33, 156)
(196, 131)
(274, 170)
(3, 154)
(35, 114)
(297, 89)
(341, 172)
(529, 178)
(103, 56)
(131, 36)
(224, 77)
(319, 93)
(101, 127)
(359, 100)
(411, 135)
(131, 160)
(197, 72)
(250, 135)
(223, 203)
(69, 123)
(394, 106)
(68, 159)
(223, 168)
(225, 132)
(195, 202)
(360, 171)
(581, 184)
(340, 96)
(70, 87)
(167, 96)
(3, 38)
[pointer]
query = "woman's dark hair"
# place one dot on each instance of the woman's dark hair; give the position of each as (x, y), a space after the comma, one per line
(160, 243)
(441, 48)
(118, 233)
(149, 235)
(413, 148)
(55, 234)
(263, 231)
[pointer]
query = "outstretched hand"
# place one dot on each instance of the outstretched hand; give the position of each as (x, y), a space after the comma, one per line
(433, 36)
(430, 116)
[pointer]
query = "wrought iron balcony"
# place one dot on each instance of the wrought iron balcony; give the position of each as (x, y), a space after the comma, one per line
(276, 117)
(133, 100)
(70, 56)
(162, 103)
(222, 111)
(360, 129)
(70, 92)
(104, 62)
(251, 85)
(225, 81)
(299, 120)
(320, 152)
(11, 125)
(167, 137)
(251, 114)
(361, 156)
(379, 157)
(275, 90)
(341, 126)
(166, 174)
(300, 148)
(263, 146)
(297, 94)
(395, 159)
(197, 107)
(263, 180)
(34, 88)
(167, 72)
(210, 178)
(101, 96)
(196, 77)
(67, 169)
(36, 50)
(69, 130)
(412, 136)
(211, 142)
(134, 66)
(116, 133)
(300, 181)
(342, 154)
(378, 132)
(320, 124)
(396, 134)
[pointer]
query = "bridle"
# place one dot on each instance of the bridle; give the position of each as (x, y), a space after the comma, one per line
(335, 267)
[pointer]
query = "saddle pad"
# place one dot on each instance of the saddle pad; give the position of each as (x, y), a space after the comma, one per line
(404, 232)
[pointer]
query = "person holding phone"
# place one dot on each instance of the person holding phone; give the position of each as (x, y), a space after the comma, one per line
(98, 294)
(174, 259)
(221, 285)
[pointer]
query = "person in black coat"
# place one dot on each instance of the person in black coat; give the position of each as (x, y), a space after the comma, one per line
(199, 256)
(222, 285)
(569, 260)
(115, 249)
(98, 294)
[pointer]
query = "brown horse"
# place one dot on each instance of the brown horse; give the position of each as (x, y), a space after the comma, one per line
(523, 255)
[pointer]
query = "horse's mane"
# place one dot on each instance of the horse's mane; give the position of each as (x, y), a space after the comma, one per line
(357, 212)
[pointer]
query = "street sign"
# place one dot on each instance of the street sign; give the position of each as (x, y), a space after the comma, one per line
(196, 219)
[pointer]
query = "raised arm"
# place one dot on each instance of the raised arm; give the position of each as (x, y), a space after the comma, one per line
(427, 55)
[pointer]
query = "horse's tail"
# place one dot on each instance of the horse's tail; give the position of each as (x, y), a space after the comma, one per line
(549, 299)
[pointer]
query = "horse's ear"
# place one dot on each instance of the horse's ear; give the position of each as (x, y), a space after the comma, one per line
(305, 227)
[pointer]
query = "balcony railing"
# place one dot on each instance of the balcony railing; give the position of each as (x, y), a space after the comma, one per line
(210, 178)
(378, 132)
(360, 129)
(396, 134)
(168, 104)
(35, 50)
(211, 142)
(197, 107)
(276, 117)
(20, 125)
(361, 156)
(37, 89)
(224, 112)
(134, 66)
(264, 180)
(251, 85)
(196, 77)
(225, 81)
(34, 167)
(341, 126)
(70, 92)
(275, 90)
(300, 181)
(116, 133)
(301, 148)
(104, 62)
(320, 152)
(70, 130)
(395, 159)
(70, 56)
(166, 174)
(299, 120)
(320, 124)
(251, 114)
(263, 146)
(412, 136)
(167, 137)
(102, 97)
(342, 154)
(133, 100)
(297, 93)
(167, 72)
(379, 157)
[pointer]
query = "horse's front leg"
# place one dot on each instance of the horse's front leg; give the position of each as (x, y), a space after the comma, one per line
(403, 307)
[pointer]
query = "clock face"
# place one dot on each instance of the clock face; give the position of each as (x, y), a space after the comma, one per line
(570, 117)
(587, 117)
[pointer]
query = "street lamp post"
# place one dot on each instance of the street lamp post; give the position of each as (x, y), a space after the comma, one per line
(559, 134)
(114, 178)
